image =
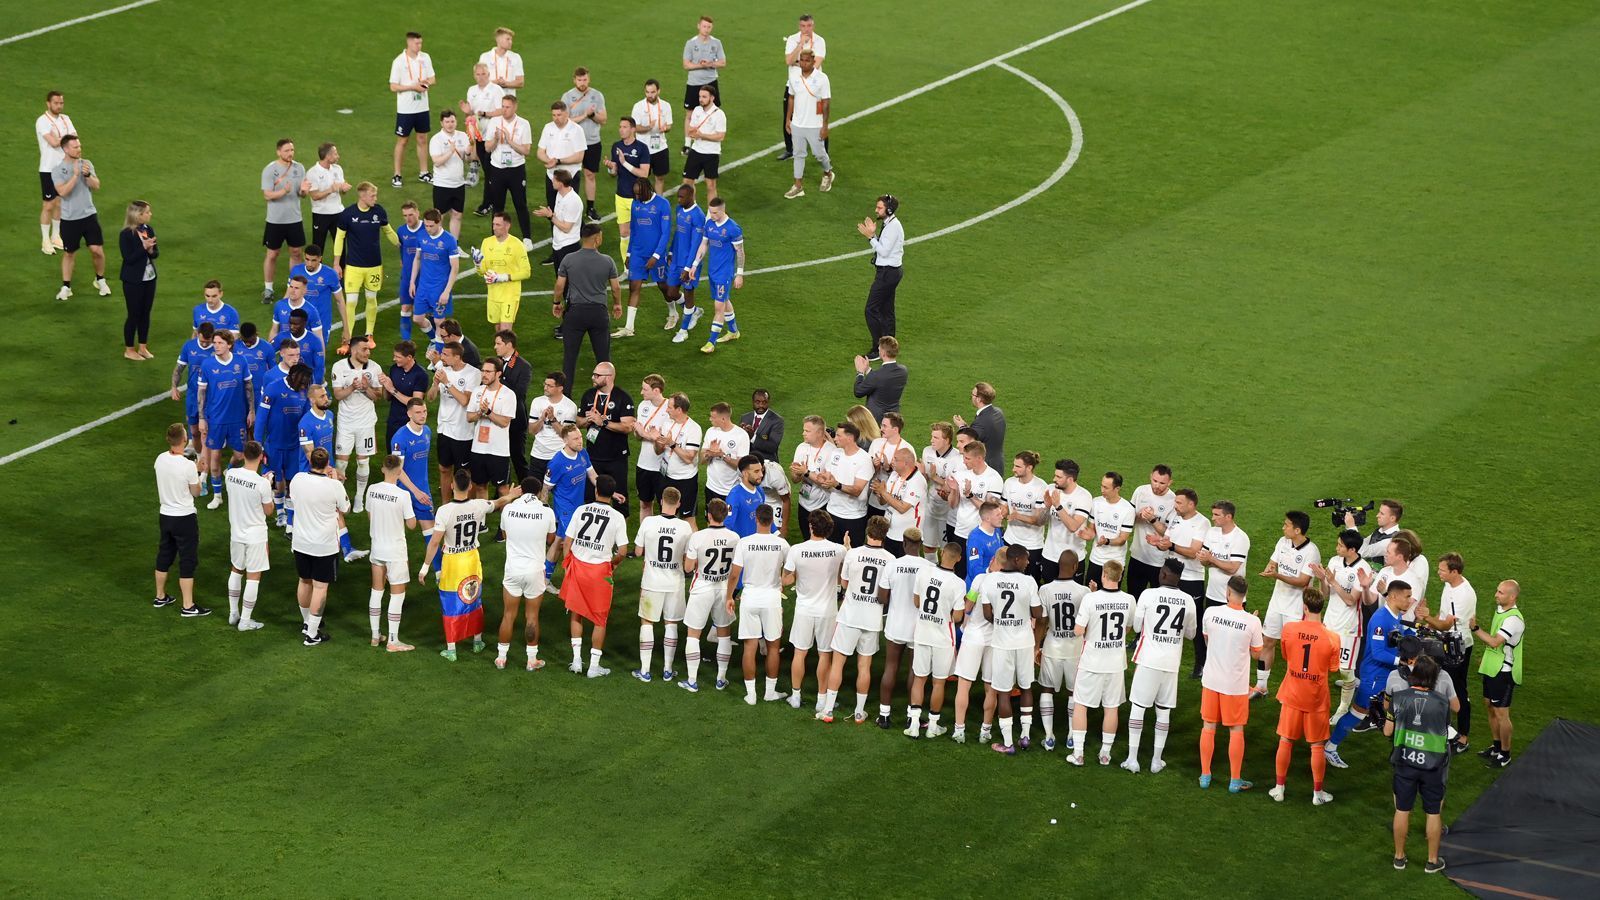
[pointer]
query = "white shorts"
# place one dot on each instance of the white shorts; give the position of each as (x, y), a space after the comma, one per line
(360, 441)
(760, 622)
(926, 660)
(529, 583)
(1011, 669)
(1279, 614)
(395, 571)
(1153, 687)
(654, 605)
(972, 660)
(708, 602)
(850, 640)
(933, 522)
(1103, 689)
(812, 631)
(1349, 649)
(900, 622)
(249, 557)
(1058, 674)
(775, 478)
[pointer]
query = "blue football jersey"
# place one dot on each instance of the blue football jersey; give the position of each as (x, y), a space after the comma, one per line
(435, 254)
(311, 352)
(321, 287)
(224, 317)
(721, 257)
(691, 224)
(317, 431)
(190, 355)
(650, 230)
(227, 389)
(742, 503)
(278, 416)
(415, 448)
(566, 477)
(314, 320)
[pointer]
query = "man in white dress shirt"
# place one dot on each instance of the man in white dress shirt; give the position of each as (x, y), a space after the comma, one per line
(888, 245)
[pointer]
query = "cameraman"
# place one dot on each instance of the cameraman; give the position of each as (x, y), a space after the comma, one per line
(1381, 659)
(1418, 719)
(1458, 603)
(1501, 668)
(1411, 650)
(1389, 513)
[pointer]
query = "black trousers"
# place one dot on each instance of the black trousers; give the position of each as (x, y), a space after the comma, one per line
(1203, 606)
(880, 304)
(802, 516)
(180, 541)
(1141, 576)
(515, 182)
(584, 320)
(323, 225)
(618, 470)
(1461, 676)
(855, 528)
(483, 172)
(519, 446)
(139, 297)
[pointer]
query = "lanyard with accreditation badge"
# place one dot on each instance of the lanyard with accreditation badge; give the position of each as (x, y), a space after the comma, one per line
(484, 426)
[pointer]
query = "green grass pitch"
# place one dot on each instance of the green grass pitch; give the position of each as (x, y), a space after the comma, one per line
(1307, 249)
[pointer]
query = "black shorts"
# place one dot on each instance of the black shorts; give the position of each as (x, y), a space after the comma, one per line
(647, 485)
(487, 468)
(277, 234)
(689, 489)
(696, 164)
(618, 470)
(691, 94)
(1497, 689)
(47, 186)
(405, 123)
(537, 467)
(450, 199)
(660, 162)
(85, 231)
(591, 158)
(855, 528)
(323, 225)
(1410, 781)
(453, 454)
(711, 495)
(316, 568)
(180, 540)
(895, 547)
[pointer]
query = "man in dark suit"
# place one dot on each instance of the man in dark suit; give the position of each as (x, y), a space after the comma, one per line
(883, 388)
(518, 376)
(990, 424)
(765, 428)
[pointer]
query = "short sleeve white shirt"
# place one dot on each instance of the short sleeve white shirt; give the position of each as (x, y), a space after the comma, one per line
(808, 94)
(1164, 618)
(1340, 617)
(453, 422)
(174, 474)
(528, 524)
(798, 41)
(815, 459)
(356, 411)
(503, 67)
(485, 102)
(597, 532)
(323, 178)
(849, 469)
(1184, 533)
(318, 500)
(1062, 600)
(452, 173)
(815, 565)
(1110, 520)
(939, 592)
(1106, 617)
(661, 543)
(547, 436)
(1012, 598)
(487, 437)
(712, 122)
(388, 508)
(760, 558)
(866, 571)
(712, 552)
(984, 485)
(1294, 562)
(721, 476)
(654, 123)
(247, 491)
(405, 70)
(568, 209)
(1058, 537)
(1232, 636)
(1460, 601)
(912, 491)
(59, 126)
(507, 132)
(562, 142)
(683, 435)
(1142, 497)
(1027, 499)
(650, 415)
(1232, 547)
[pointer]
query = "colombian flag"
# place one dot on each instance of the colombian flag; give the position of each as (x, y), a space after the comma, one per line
(461, 595)
(586, 589)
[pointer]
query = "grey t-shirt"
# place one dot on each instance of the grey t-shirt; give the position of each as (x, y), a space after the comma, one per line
(286, 209)
(699, 52)
(586, 102)
(588, 274)
(1397, 683)
(80, 203)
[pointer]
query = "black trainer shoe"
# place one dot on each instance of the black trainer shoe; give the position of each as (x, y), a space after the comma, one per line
(1365, 726)
(426, 178)
(1458, 747)
(785, 155)
(1399, 862)
(548, 260)
(396, 181)
(310, 641)
(193, 612)
(1434, 866)
(1500, 760)
(1488, 752)
(159, 602)
(884, 722)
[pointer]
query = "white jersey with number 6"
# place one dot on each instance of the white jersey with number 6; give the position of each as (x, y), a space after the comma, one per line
(661, 543)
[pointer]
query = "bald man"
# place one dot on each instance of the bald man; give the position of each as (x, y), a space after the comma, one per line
(1501, 668)
(606, 414)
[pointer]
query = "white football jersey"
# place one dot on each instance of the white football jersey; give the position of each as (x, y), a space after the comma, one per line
(1164, 618)
(1061, 601)
(388, 508)
(1012, 597)
(1110, 520)
(452, 420)
(848, 469)
(815, 459)
(901, 616)
(712, 550)
(528, 524)
(547, 435)
(912, 491)
(936, 594)
(1293, 561)
(1027, 499)
(720, 475)
(662, 542)
(816, 566)
(1231, 546)
(247, 490)
(1105, 617)
(760, 560)
(1143, 496)
(970, 485)
(357, 411)
(936, 468)
(597, 532)
(1183, 533)
(866, 570)
(1340, 617)
(460, 521)
(1058, 537)
(976, 625)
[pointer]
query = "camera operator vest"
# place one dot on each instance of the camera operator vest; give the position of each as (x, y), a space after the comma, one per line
(1494, 658)
(1421, 728)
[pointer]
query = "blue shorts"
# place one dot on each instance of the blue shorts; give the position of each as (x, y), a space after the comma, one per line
(563, 516)
(675, 277)
(638, 272)
(405, 123)
(721, 293)
(1370, 688)
(431, 306)
(423, 512)
(284, 462)
(404, 288)
(230, 435)
(191, 409)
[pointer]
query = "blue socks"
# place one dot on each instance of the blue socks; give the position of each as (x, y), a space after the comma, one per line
(345, 546)
(731, 323)
(216, 485)
(716, 332)
(405, 324)
(1342, 730)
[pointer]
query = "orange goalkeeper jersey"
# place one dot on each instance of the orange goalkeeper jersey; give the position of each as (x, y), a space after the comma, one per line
(1311, 651)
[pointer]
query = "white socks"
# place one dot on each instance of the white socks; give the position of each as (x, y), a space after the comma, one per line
(633, 313)
(251, 586)
(1078, 737)
(577, 651)
(363, 467)
(724, 653)
(313, 623)
(1047, 714)
(375, 612)
(861, 704)
(1135, 729)
(691, 655)
(647, 647)
(235, 591)
(396, 601)
(750, 691)
(669, 643)
(1162, 715)
(500, 652)
(1005, 730)
(1263, 674)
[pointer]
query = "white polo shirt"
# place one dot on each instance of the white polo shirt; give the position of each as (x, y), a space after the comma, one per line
(485, 102)
(502, 67)
(1183, 533)
(507, 132)
(452, 173)
(658, 118)
(322, 178)
(318, 500)
(174, 474)
(60, 126)
(487, 437)
(569, 208)
(681, 436)
(808, 93)
(714, 121)
(562, 142)
(405, 70)
(798, 41)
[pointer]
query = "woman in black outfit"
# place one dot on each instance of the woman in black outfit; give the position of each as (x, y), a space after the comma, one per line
(138, 243)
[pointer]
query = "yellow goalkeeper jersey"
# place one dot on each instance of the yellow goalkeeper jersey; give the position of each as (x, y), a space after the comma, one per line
(506, 258)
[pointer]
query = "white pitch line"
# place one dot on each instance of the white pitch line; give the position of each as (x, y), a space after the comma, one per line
(78, 21)
(1060, 172)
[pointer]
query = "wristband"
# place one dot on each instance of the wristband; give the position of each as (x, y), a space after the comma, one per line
(739, 272)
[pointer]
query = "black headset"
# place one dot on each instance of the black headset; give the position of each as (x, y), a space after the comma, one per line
(891, 204)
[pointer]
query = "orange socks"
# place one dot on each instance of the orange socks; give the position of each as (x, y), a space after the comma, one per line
(1285, 755)
(1319, 766)
(1236, 753)
(1208, 747)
